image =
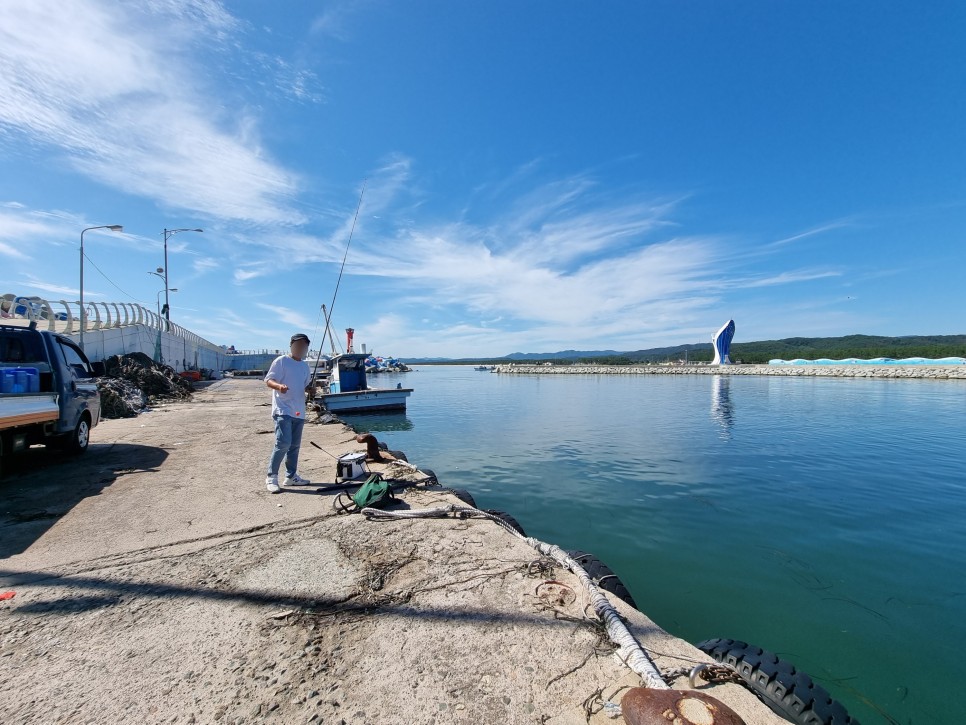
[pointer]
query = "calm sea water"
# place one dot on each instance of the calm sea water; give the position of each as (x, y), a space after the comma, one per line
(821, 518)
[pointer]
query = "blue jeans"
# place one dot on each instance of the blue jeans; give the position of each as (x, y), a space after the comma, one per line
(288, 440)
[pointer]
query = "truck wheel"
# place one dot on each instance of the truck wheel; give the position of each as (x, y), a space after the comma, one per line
(77, 442)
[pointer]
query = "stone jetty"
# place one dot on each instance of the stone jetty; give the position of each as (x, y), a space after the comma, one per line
(932, 372)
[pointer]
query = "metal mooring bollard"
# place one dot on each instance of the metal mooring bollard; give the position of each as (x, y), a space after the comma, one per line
(643, 706)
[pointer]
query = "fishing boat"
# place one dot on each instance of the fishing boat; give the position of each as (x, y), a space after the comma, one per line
(349, 392)
(483, 369)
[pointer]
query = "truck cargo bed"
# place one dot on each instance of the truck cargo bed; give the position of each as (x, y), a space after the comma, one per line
(27, 409)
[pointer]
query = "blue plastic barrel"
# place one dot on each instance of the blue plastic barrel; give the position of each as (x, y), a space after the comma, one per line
(6, 381)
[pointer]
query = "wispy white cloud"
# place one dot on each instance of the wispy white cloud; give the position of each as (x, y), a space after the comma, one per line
(802, 275)
(385, 186)
(113, 86)
(821, 229)
(225, 325)
(279, 76)
(30, 231)
(244, 274)
(559, 263)
(205, 264)
(9, 250)
(52, 290)
(287, 315)
(335, 20)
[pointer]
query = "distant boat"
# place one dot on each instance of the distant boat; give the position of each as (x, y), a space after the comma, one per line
(483, 368)
(349, 392)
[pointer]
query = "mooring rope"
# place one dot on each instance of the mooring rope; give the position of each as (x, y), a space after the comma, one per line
(629, 649)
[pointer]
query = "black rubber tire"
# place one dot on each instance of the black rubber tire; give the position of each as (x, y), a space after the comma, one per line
(513, 523)
(399, 456)
(787, 691)
(431, 477)
(76, 443)
(463, 495)
(603, 576)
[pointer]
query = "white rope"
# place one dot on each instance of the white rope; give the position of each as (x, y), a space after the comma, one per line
(629, 649)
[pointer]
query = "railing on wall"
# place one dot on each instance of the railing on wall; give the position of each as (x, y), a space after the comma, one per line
(64, 317)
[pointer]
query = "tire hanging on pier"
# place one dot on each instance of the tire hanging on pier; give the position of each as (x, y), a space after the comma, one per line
(603, 576)
(463, 495)
(786, 690)
(508, 520)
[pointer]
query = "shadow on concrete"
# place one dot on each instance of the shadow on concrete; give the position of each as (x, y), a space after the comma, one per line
(107, 593)
(41, 485)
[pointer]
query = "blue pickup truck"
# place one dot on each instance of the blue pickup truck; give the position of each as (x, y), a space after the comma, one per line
(48, 393)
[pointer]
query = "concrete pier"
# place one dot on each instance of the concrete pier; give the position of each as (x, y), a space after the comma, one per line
(156, 580)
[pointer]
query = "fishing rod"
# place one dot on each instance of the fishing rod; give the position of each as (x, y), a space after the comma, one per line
(328, 314)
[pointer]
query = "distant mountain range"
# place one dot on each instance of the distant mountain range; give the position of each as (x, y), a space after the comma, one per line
(522, 357)
(862, 346)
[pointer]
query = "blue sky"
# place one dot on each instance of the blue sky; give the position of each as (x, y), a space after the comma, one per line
(539, 175)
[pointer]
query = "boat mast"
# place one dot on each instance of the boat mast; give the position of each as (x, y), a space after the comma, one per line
(335, 293)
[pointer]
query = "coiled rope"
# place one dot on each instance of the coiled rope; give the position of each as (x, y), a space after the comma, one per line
(629, 650)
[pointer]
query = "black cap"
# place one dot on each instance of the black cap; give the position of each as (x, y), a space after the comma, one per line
(298, 336)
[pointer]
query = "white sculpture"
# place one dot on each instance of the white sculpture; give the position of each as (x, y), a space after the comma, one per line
(722, 343)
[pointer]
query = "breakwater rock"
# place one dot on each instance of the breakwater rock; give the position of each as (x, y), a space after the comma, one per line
(936, 372)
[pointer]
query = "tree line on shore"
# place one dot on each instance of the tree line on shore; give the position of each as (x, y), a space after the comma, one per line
(809, 348)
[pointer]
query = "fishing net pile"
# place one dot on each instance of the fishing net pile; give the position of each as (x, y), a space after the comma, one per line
(132, 382)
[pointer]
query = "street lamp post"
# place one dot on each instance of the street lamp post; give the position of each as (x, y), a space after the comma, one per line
(168, 233)
(83, 315)
(157, 298)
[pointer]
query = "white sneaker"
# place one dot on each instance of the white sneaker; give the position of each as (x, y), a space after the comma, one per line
(271, 483)
(296, 480)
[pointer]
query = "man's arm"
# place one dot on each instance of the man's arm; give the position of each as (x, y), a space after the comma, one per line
(273, 371)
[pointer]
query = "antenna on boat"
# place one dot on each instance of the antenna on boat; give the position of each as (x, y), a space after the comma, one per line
(328, 313)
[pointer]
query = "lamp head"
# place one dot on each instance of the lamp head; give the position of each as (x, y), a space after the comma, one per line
(116, 228)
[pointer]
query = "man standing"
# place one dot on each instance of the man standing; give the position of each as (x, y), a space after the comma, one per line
(289, 378)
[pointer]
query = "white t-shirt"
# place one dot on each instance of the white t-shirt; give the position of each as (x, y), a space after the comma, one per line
(296, 375)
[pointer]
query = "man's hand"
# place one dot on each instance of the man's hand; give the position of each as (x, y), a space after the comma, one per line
(280, 387)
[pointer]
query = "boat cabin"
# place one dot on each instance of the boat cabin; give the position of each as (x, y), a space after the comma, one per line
(348, 374)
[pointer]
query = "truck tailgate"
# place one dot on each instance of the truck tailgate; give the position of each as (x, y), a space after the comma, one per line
(17, 410)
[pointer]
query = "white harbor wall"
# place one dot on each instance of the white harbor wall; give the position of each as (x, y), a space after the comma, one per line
(179, 351)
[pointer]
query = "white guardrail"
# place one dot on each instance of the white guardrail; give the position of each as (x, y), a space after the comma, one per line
(64, 317)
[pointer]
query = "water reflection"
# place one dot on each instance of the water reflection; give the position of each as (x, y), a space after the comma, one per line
(377, 423)
(722, 410)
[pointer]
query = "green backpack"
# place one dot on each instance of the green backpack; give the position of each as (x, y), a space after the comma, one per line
(374, 493)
